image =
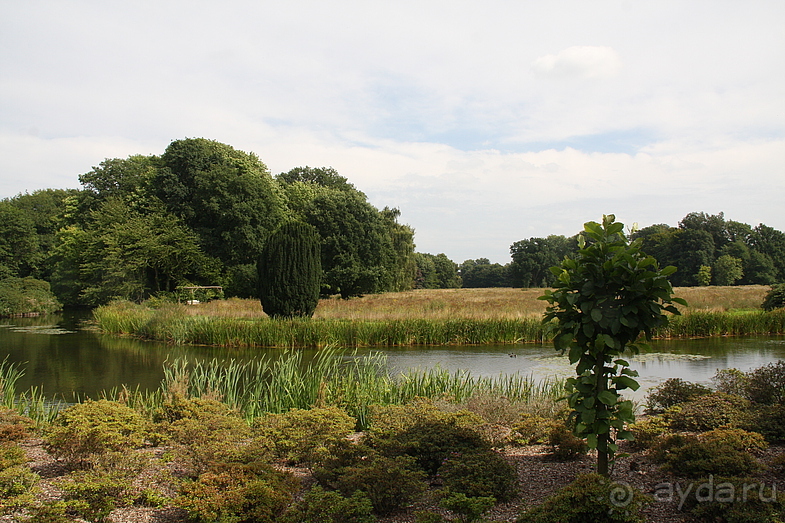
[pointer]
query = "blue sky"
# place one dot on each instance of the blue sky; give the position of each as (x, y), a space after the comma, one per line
(484, 122)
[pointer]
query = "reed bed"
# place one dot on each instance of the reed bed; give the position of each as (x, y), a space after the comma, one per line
(332, 377)
(31, 403)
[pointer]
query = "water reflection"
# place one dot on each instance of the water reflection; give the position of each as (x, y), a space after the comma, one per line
(64, 356)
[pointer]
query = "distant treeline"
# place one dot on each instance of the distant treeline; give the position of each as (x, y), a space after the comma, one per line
(200, 213)
(707, 250)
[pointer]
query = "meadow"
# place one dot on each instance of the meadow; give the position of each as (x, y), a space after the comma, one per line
(417, 317)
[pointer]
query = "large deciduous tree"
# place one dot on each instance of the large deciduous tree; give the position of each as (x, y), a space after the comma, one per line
(533, 258)
(290, 271)
(605, 297)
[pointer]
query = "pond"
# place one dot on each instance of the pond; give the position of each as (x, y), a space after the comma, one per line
(63, 357)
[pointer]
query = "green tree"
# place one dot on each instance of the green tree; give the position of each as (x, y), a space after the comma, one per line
(290, 271)
(227, 197)
(533, 258)
(436, 272)
(604, 299)
(771, 242)
(481, 273)
(20, 253)
(727, 270)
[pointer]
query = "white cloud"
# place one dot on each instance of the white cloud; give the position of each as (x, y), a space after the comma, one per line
(580, 62)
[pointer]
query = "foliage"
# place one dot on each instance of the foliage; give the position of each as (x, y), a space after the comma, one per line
(290, 271)
(648, 431)
(482, 273)
(591, 498)
(730, 381)
(94, 427)
(326, 506)
(92, 495)
(470, 508)
(710, 412)
(479, 473)
(673, 391)
(566, 446)
(13, 426)
(435, 272)
(736, 500)
(769, 420)
(26, 296)
(720, 451)
(18, 486)
(55, 512)
(305, 436)
(532, 430)
(237, 496)
(391, 483)
(11, 454)
(766, 385)
(727, 270)
(533, 258)
(704, 276)
(605, 297)
(775, 298)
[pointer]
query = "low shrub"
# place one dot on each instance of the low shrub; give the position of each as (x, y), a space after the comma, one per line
(735, 500)
(94, 427)
(480, 473)
(730, 381)
(673, 391)
(390, 483)
(92, 495)
(531, 429)
(52, 512)
(648, 431)
(327, 506)
(469, 508)
(712, 411)
(14, 427)
(18, 486)
(716, 452)
(11, 454)
(305, 436)
(566, 446)
(591, 498)
(766, 385)
(237, 495)
(769, 420)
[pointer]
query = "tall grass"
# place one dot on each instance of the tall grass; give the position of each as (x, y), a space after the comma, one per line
(31, 403)
(332, 377)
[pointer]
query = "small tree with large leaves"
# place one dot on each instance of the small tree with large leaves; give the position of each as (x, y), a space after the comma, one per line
(605, 297)
(290, 271)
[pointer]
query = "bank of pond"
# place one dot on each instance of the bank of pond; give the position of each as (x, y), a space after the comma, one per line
(177, 325)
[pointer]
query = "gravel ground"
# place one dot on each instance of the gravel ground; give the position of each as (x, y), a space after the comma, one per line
(539, 477)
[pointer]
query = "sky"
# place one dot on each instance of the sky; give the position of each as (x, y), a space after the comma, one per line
(484, 122)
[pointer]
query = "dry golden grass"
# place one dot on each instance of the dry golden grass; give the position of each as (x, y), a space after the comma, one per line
(438, 304)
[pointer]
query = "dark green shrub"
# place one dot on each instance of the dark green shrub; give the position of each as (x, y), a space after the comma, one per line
(712, 411)
(531, 429)
(290, 271)
(672, 392)
(716, 452)
(775, 298)
(591, 498)
(305, 436)
(735, 500)
(17, 487)
(95, 427)
(237, 495)
(766, 385)
(92, 495)
(769, 420)
(730, 381)
(51, 512)
(390, 483)
(327, 506)
(479, 473)
(469, 508)
(566, 446)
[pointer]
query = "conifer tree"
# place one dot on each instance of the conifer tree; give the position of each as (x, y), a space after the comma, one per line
(290, 271)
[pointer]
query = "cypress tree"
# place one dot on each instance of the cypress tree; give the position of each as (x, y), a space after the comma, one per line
(290, 271)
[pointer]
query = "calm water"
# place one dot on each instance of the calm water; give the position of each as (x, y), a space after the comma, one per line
(59, 354)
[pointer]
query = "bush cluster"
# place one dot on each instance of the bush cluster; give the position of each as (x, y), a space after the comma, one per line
(673, 391)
